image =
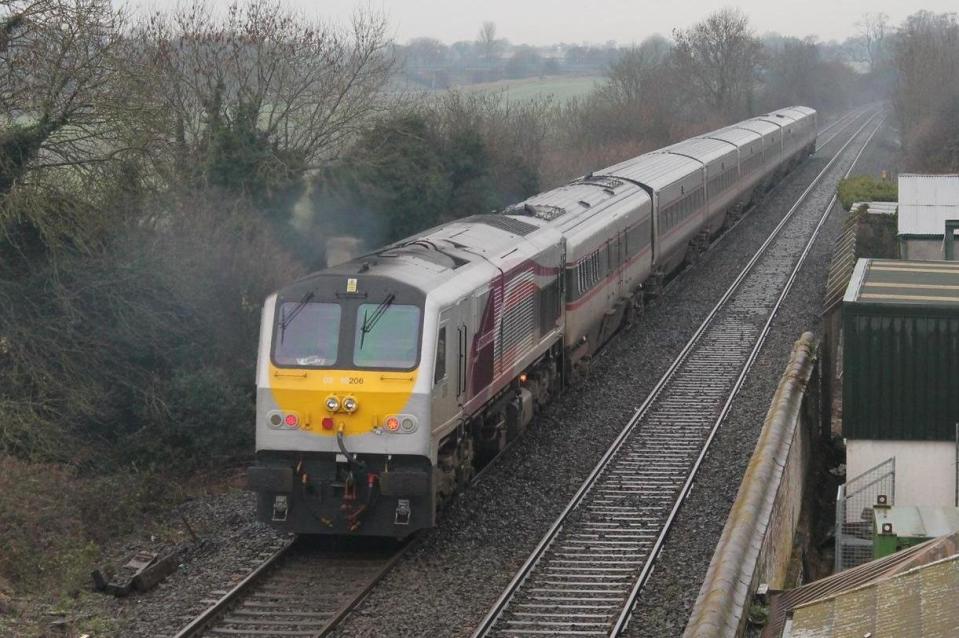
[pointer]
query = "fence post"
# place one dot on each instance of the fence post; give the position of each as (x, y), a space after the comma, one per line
(840, 519)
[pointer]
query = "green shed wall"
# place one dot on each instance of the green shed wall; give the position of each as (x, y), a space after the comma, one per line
(900, 372)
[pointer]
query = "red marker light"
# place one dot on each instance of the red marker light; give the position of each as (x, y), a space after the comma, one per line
(392, 424)
(291, 420)
(327, 423)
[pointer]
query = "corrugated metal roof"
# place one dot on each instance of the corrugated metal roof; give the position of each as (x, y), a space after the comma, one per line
(919, 602)
(656, 170)
(781, 604)
(926, 202)
(899, 282)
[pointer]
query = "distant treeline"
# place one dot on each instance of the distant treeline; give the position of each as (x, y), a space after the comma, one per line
(432, 64)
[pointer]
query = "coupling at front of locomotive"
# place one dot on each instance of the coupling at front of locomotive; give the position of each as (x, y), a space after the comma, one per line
(343, 439)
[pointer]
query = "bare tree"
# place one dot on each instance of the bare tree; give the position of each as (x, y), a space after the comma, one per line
(425, 53)
(56, 67)
(926, 58)
(300, 90)
(630, 78)
(873, 29)
(720, 56)
(488, 42)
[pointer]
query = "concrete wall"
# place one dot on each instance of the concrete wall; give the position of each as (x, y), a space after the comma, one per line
(777, 548)
(925, 470)
(921, 249)
(756, 545)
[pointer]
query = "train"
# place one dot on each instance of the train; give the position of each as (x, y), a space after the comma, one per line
(383, 383)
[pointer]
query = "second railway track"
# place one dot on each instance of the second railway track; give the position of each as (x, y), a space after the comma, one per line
(585, 575)
(303, 589)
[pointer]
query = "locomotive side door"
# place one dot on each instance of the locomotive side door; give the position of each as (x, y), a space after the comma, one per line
(444, 404)
(459, 350)
(614, 257)
(621, 256)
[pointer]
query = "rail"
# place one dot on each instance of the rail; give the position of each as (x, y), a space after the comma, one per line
(584, 576)
(299, 590)
(719, 608)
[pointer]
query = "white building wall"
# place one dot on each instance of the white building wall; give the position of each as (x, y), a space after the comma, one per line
(925, 470)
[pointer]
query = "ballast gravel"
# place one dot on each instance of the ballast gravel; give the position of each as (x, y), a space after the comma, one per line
(452, 575)
(446, 584)
(672, 590)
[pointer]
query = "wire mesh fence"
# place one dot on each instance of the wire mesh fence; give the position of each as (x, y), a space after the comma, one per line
(854, 520)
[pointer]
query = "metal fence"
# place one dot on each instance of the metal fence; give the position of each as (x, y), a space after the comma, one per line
(854, 513)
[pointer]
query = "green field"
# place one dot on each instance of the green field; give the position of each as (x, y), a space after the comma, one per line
(560, 88)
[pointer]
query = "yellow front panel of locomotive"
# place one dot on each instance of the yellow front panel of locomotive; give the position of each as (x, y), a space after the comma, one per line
(378, 394)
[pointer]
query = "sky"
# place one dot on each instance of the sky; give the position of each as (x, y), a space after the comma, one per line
(596, 21)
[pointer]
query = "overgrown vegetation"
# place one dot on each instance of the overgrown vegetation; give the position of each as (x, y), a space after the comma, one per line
(159, 177)
(923, 57)
(865, 188)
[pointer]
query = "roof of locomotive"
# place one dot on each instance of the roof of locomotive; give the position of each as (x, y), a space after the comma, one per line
(656, 170)
(578, 202)
(427, 259)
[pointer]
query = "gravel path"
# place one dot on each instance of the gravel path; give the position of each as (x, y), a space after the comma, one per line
(445, 585)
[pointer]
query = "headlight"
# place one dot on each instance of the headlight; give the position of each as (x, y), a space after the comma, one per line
(332, 404)
(349, 404)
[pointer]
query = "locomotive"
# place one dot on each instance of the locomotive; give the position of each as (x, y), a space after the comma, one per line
(384, 382)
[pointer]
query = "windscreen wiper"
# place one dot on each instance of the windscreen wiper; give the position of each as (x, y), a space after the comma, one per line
(300, 305)
(369, 321)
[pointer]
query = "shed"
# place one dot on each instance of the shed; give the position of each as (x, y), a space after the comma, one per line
(900, 387)
(901, 350)
(868, 231)
(797, 612)
(926, 203)
(920, 602)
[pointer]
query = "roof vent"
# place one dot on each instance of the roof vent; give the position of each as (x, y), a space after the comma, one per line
(539, 211)
(503, 222)
(607, 183)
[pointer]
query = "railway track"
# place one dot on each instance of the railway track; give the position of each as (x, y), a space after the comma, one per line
(303, 589)
(585, 575)
(840, 123)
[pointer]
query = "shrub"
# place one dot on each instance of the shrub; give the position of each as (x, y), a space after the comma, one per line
(865, 188)
(44, 539)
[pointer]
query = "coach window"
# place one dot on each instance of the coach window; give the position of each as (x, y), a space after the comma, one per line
(439, 372)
